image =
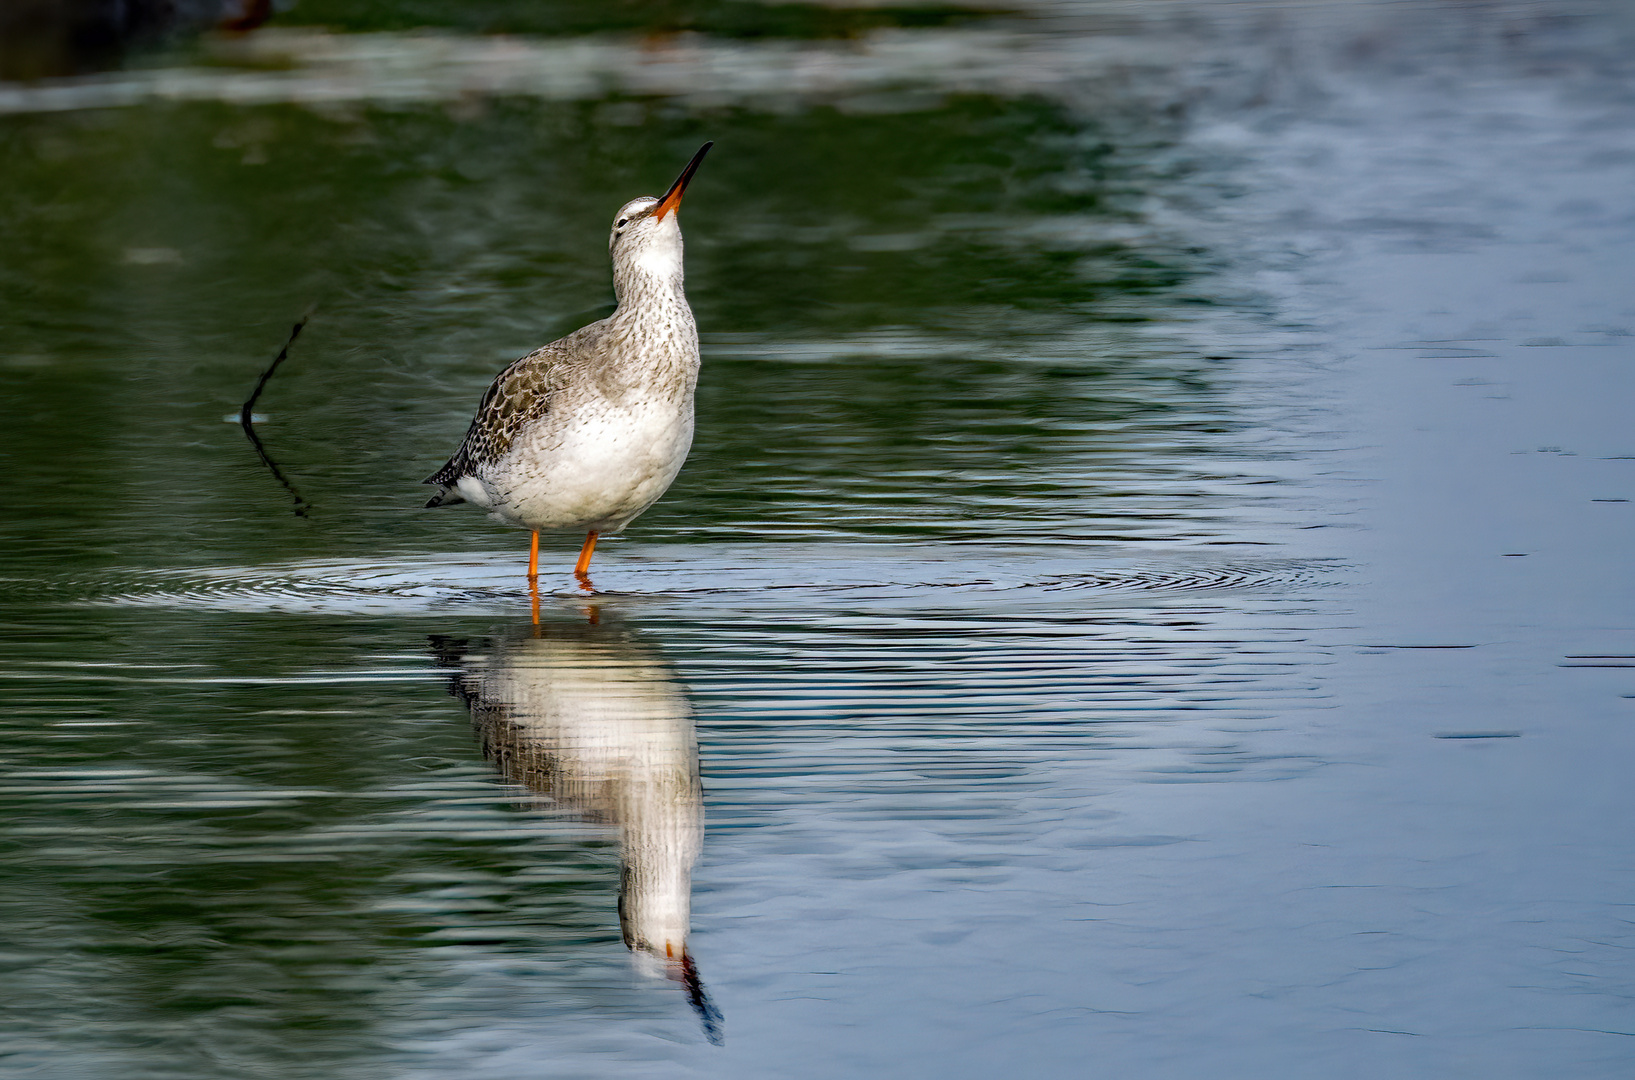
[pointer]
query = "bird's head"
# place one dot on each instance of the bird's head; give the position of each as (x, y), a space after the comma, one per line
(646, 231)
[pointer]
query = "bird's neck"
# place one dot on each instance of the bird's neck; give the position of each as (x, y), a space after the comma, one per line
(652, 303)
(650, 274)
(657, 340)
(655, 310)
(638, 290)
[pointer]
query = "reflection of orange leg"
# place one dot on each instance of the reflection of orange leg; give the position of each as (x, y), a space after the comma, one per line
(533, 595)
(582, 567)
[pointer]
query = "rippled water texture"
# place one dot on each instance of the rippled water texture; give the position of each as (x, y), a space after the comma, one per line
(1150, 595)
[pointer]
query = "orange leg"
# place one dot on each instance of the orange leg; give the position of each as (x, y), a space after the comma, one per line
(582, 567)
(533, 558)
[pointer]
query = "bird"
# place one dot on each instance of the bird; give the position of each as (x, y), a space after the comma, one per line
(589, 431)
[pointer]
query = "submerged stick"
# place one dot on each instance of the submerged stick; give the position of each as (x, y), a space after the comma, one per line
(246, 419)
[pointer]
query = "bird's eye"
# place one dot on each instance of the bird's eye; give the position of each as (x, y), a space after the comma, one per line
(621, 223)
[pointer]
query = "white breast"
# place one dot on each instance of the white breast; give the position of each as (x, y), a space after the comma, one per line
(596, 474)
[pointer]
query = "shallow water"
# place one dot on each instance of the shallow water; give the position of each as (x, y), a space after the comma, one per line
(1149, 596)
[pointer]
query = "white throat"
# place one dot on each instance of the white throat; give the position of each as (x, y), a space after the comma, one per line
(661, 257)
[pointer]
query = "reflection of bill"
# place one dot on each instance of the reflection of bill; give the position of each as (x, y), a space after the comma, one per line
(598, 722)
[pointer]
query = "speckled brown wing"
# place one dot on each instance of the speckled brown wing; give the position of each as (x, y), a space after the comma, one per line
(520, 395)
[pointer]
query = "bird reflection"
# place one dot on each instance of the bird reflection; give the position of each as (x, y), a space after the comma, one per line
(590, 717)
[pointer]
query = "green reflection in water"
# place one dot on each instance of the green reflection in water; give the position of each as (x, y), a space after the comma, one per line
(221, 853)
(952, 282)
(945, 320)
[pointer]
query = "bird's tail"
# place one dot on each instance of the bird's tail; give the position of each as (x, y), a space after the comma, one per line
(447, 495)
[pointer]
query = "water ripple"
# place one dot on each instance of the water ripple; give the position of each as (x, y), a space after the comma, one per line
(776, 575)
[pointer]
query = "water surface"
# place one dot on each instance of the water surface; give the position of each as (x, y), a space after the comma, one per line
(1149, 596)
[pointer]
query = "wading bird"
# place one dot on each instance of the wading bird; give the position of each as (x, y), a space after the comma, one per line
(587, 432)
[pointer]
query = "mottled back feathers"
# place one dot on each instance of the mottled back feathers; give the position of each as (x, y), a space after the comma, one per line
(519, 396)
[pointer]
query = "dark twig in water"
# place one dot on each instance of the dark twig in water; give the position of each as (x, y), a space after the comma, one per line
(246, 419)
(283, 354)
(708, 1014)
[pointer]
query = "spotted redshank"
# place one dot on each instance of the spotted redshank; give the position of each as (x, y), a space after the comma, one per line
(587, 432)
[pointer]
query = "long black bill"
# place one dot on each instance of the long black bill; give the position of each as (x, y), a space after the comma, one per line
(672, 198)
